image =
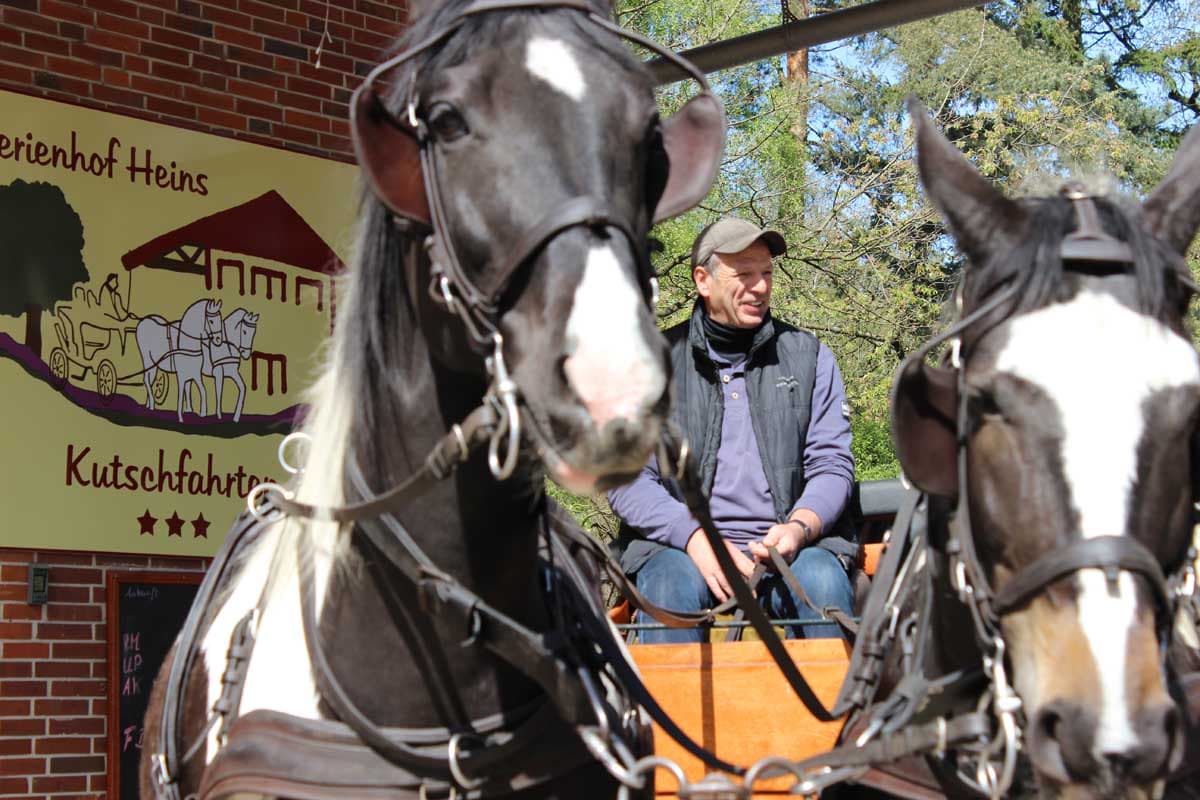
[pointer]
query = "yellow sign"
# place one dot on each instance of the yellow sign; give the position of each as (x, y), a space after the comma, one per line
(164, 296)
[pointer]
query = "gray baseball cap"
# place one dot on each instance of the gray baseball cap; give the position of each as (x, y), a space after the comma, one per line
(733, 235)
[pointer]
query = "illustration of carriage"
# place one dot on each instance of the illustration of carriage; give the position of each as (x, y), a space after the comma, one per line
(96, 345)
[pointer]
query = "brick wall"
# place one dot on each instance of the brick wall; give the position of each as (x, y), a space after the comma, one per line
(53, 672)
(243, 68)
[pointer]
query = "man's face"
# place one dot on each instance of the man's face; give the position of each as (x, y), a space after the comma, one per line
(737, 292)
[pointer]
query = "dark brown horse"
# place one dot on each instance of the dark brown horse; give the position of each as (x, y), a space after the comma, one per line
(1056, 444)
(502, 274)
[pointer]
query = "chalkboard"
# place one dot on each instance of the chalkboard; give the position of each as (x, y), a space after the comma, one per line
(146, 611)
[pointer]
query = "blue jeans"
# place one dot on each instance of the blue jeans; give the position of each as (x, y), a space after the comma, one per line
(671, 579)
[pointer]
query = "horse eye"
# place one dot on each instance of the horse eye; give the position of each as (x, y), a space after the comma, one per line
(446, 123)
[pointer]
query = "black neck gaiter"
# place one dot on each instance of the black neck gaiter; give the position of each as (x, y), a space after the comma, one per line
(729, 343)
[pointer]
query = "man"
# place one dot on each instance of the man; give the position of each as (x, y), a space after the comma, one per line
(764, 409)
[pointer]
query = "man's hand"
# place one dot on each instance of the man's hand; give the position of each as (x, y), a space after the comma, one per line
(706, 561)
(788, 538)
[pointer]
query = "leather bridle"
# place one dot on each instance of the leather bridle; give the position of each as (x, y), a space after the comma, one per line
(941, 393)
(393, 150)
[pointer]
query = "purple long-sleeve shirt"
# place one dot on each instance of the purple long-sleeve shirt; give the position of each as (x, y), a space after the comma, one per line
(741, 503)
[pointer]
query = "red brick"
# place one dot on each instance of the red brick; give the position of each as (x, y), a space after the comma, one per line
(121, 561)
(71, 13)
(338, 144)
(120, 7)
(276, 30)
(16, 55)
(220, 100)
(14, 786)
(99, 669)
(172, 72)
(111, 41)
(74, 613)
(22, 727)
(14, 708)
(69, 764)
(19, 688)
(62, 708)
(140, 83)
(296, 135)
(64, 669)
(372, 39)
(304, 120)
(291, 66)
(64, 630)
(215, 65)
(16, 747)
(47, 44)
(88, 688)
(89, 725)
(98, 783)
(23, 766)
(320, 9)
(73, 575)
(254, 57)
(261, 110)
(99, 707)
(26, 650)
(164, 53)
(239, 37)
(171, 107)
(78, 69)
(354, 19)
(270, 11)
(377, 9)
(16, 669)
(64, 745)
(337, 62)
(129, 27)
(174, 38)
(228, 17)
(88, 650)
(16, 630)
(300, 101)
(64, 783)
(152, 15)
(221, 119)
(253, 91)
(216, 83)
(28, 21)
(61, 558)
(12, 591)
(306, 86)
(71, 594)
(21, 611)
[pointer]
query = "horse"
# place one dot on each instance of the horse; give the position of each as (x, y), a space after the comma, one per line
(1056, 446)
(224, 360)
(417, 605)
(178, 347)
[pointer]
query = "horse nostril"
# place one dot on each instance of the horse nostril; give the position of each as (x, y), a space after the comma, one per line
(1045, 742)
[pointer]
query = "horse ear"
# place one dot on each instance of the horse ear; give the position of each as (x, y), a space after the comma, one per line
(980, 217)
(1172, 211)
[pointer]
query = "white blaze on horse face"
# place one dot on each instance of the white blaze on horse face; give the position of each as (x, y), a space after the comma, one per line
(1099, 360)
(551, 61)
(609, 363)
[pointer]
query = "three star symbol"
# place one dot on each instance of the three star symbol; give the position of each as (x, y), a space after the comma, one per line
(147, 522)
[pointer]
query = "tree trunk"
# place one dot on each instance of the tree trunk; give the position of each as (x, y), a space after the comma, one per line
(33, 328)
(797, 72)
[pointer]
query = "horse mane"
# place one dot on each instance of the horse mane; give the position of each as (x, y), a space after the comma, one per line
(1033, 263)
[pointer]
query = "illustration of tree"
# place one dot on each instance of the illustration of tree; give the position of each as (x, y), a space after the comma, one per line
(41, 253)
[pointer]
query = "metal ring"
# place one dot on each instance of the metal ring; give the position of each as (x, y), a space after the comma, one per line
(783, 765)
(254, 501)
(294, 436)
(456, 772)
(595, 745)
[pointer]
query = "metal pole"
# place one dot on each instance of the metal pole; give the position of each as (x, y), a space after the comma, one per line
(805, 33)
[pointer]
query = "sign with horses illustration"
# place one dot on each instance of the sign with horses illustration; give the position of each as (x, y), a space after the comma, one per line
(164, 296)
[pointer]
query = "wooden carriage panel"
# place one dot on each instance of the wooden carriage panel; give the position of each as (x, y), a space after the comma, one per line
(732, 699)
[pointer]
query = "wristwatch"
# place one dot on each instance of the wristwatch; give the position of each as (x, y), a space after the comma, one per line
(808, 533)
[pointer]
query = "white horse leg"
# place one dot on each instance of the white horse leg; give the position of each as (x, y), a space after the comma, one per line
(148, 379)
(241, 387)
(218, 382)
(181, 382)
